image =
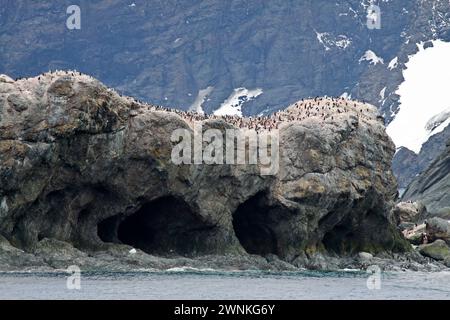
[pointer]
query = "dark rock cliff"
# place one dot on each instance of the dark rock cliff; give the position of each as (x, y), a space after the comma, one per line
(81, 164)
(167, 51)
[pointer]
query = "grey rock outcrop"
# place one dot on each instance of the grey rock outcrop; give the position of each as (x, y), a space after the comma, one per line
(410, 211)
(365, 256)
(80, 164)
(432, 187)
(415, 234)
(407, 165)
(438, 228)
(447, 262)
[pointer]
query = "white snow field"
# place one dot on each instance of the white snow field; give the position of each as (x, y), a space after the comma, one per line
(233, 104)
(424, 97)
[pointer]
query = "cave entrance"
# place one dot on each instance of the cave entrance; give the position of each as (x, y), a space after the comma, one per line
(255, 227)
(107, 229)
(363, 232)
(166, 226)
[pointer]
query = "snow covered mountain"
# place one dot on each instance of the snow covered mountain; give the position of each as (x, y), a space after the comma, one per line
(168, 52)
(420, 125)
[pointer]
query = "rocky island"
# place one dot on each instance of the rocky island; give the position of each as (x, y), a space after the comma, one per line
(86, 179)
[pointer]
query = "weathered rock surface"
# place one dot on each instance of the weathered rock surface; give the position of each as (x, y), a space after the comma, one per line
(438, 228)
(432, 187)
(12, 258)
(410, 211)
(447, 262)
(365, 256)
(437, 250)
(415, 234)
(407, 165)
(82, 165)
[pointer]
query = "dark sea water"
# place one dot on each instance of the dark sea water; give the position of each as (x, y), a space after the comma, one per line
(209, 284)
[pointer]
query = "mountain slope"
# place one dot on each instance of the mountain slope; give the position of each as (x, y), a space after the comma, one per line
(433, 185)
(407, 165)
(168, 52)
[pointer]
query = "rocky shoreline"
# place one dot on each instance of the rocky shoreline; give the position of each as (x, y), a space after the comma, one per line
(53, 255)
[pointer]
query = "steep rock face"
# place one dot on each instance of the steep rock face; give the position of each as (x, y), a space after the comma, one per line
(433, 185)
(407, 165)
(81, 164)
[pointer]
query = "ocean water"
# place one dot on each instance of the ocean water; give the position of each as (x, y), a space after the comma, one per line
(209, 284)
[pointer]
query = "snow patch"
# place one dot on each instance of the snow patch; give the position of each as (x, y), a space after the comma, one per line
(5, 78)
(382, 93)
(373, 16)
(371, 57)
(424, 97)
(393, 64)
(233, 104)
(202, 94)
(438, 120)
(329, 41)
(321, 38)
(342, 42)
(346, 95)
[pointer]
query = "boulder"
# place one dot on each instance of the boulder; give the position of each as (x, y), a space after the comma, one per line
(415, 234)
(438, 228)
(409, 211)
(12, 258)
(365, 256)
(437, 250)
(59, 254)
(447, 262)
